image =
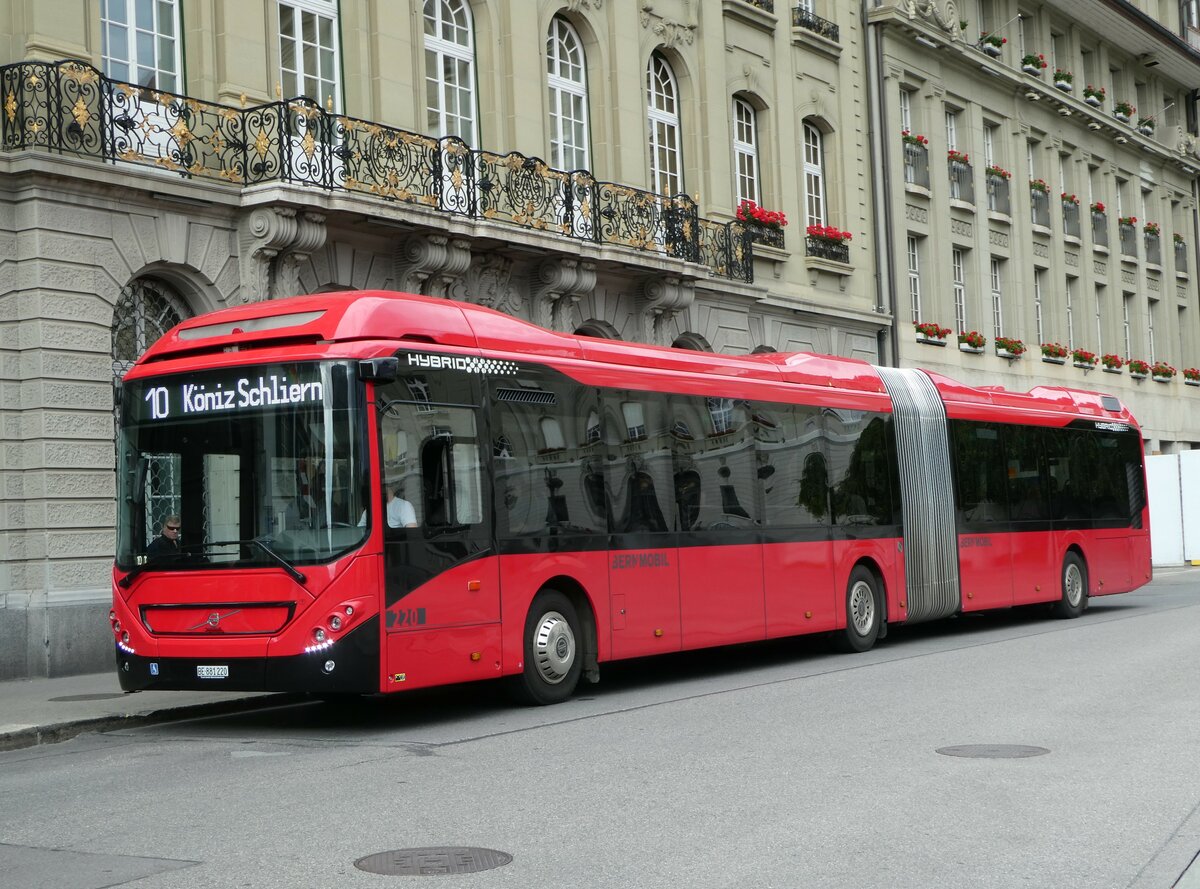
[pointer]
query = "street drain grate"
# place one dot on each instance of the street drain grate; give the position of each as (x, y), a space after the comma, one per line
(993, 751)
(432, 861)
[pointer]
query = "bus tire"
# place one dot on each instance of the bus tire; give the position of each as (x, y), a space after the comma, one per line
(1074, 588)
(553, 651)
(864, 612)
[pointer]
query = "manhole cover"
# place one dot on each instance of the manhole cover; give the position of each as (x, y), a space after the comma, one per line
(993, 751)
(67, 699)
(432, 861)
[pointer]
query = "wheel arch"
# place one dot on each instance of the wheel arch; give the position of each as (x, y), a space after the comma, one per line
(585, 610)
(871, 564)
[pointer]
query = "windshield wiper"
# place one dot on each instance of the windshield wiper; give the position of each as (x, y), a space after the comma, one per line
(261, 542)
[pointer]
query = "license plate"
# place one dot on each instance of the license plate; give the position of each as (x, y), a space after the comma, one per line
(221, 672)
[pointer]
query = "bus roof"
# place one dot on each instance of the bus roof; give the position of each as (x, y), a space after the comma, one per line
(358, 320)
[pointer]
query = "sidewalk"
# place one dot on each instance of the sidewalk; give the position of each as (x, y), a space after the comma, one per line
(46, 711)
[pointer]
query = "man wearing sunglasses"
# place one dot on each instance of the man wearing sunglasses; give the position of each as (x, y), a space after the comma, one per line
(166, 546)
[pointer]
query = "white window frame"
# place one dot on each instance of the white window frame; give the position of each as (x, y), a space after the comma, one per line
(297, 79)
(814, 175)
(997, 300)
(951, 129)
(441, 51)
(566, 81)
(662, 115)
(1126, 298)
(745, 151)
(153, 49)
(1069, 298)
(958, 272)
(905, 109)
(914, 277)
(1039, 276)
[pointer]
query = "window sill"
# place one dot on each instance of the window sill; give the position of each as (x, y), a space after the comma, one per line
(1043, 230)
(814, 41)
(919, 190)
(997, 216)
(1100, 248)
(815, 265)
(751, 15)
(965, 206)
(1072, 239)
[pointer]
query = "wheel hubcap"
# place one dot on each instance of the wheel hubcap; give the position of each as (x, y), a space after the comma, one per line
(862, 607)
(1073, 585)
(553, 647)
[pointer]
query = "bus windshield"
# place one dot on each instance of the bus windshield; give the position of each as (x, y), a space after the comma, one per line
(242, 466)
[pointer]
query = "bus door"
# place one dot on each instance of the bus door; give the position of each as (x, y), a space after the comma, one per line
(437, 543)
(982, 515)
(643, 564)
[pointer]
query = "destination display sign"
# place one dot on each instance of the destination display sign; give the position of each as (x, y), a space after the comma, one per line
(212, 393)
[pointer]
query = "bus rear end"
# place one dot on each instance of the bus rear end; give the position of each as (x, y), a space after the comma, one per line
(243, 559)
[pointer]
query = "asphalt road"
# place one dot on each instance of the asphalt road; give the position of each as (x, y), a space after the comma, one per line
(774, 765)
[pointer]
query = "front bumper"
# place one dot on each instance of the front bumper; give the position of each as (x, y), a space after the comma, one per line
(355, 659)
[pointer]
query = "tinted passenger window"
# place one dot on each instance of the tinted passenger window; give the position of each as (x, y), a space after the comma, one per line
(639, 465)
(792, 467)
(859, 467)
(712, 463)
(1027, 496)
(546, 452)
(982, 494)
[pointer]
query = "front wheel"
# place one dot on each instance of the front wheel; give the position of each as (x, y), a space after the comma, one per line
(864, 612)
(1074, 588)
(553, 657)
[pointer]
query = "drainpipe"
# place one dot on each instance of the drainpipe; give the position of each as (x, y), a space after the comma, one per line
(882, 182)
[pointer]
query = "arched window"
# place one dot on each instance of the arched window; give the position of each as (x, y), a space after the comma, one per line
(566, 78)
(450, 70)
(814, 175)
(745, 151)
(666, 177)
(146, 309)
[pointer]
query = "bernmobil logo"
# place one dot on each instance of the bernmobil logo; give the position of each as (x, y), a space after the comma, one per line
(491, 367)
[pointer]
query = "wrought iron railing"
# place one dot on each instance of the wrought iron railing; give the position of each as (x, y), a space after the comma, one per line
(1153, 249)
(1099, 229)
(1039, 202)
(916, 165)
(802, 18)
(999, 196)
(1128, 239)
(69, 107)
(838, 251)
(1070, 219)
(962, 182)
(764, 5)
(767, 236)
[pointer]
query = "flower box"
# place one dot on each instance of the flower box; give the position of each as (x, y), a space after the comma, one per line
(1113, 370)
(930, 333)
(930, 340)
(1094, 101)
(1035, 70)
(1005, 353)
(1138, 374)
(1085, 365)
(1162, 378)
(1053, 359)
(991, 49)
(1188, 382)
(978, 350)
(1064, 85)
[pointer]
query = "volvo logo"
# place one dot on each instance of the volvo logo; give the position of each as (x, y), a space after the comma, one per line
(213, 621)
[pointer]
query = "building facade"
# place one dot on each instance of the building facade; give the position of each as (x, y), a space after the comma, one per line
(580, 163)
(1041, 187)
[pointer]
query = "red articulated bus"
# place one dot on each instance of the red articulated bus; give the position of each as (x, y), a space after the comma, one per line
(378, 491)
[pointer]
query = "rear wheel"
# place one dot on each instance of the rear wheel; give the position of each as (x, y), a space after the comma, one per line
(553, 656)
(1074, 588)
(864, 612)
